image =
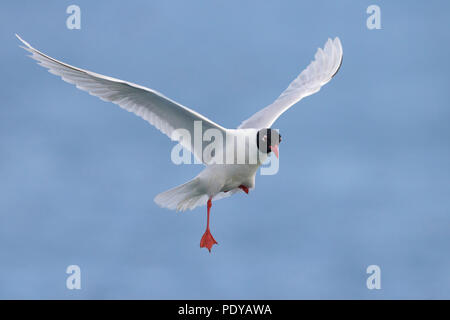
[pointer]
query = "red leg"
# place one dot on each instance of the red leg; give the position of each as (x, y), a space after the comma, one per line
(207, 240)
(244, 188)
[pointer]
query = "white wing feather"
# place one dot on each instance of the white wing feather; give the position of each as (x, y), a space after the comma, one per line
(161, 112)
(326, 64)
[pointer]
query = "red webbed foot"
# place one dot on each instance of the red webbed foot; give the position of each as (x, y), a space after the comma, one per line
(207, 240)
(244, 188)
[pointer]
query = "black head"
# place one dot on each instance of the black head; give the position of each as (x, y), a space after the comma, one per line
(268, 140)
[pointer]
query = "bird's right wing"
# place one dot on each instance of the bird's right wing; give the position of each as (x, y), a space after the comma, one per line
(325, 65)
(161, 112)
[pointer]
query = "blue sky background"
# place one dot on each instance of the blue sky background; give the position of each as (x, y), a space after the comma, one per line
(365, 163)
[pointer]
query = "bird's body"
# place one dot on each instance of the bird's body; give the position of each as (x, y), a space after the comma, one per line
(233, 165)
(217, 181)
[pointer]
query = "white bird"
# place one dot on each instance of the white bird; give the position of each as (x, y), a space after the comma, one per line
(218, 179)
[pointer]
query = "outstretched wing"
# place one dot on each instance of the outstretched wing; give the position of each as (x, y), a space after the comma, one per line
(326, 64)
(161, 112)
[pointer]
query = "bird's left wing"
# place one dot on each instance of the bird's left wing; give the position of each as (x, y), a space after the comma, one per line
(161, 112)
(325, 65)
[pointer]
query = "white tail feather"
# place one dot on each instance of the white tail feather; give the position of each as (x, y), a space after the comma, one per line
(184, 197)
(188, 196)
